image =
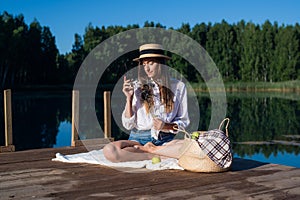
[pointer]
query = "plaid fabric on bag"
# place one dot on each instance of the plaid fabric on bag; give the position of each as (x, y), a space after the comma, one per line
(216, 145)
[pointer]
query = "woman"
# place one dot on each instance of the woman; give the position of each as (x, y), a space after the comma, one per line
(154, 107)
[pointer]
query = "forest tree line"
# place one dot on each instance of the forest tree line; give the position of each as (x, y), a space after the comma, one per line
(242, 51)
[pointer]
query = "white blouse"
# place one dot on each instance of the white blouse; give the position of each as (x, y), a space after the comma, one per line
(143, 121)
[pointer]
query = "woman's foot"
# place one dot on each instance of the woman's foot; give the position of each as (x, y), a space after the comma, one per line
(149, 147)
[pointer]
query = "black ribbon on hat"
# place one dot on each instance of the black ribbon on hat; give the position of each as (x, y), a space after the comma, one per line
(152, 51)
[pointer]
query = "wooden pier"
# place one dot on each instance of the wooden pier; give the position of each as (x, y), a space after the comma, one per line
(31, 174)
(75, 141)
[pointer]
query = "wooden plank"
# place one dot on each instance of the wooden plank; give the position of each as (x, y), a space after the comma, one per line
(32, 174)
(33, 155)
(8, 118)
(75, 117)
(107, 115)
(42, 179)
(93, 142)
(9, 147)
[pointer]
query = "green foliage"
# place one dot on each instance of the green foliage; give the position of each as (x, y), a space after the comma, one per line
(244, 52)
(28, 54)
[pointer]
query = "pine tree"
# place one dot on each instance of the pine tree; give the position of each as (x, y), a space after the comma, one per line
(286, 54)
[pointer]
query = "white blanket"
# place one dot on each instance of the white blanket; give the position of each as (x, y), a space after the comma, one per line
(97, 157)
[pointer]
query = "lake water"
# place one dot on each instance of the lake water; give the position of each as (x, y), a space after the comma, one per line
(263, 127)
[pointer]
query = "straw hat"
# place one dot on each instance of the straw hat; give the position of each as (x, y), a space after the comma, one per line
(151, 51)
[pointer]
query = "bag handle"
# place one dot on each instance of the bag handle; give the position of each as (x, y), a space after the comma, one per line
(177, 128)
(181, 129)
(226, 126)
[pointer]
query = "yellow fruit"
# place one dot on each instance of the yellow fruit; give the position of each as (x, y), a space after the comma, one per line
(195, 135)
(155, 160)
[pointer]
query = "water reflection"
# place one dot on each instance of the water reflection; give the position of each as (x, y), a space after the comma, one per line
(263, 126)
(63, 137)
(266, 125)
(36, 118)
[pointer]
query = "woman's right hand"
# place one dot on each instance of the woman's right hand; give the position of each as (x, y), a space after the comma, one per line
(127, 88)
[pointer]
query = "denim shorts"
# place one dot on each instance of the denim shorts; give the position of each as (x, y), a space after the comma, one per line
(163, 138)
(140, 136)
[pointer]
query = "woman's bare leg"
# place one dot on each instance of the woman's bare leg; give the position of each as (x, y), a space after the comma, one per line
(124, 150)
(171, 149)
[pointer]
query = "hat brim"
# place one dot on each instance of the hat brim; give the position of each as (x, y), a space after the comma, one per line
(151, 56)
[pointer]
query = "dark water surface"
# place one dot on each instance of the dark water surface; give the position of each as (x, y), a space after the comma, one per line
(263, 126)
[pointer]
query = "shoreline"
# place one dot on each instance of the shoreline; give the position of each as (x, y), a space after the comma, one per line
(285, 87)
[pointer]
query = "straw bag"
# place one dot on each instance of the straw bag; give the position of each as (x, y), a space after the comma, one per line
(195, 156)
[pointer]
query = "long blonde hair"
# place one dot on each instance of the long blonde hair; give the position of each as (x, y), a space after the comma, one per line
(164, 83)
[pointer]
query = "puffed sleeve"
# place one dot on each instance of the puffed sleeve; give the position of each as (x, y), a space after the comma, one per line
(128, 123)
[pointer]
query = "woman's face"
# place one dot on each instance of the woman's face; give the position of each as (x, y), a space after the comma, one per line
(151, 67)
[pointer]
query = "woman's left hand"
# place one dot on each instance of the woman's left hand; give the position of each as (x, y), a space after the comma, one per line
(158, 124)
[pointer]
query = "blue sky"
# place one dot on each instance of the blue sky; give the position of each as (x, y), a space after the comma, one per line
(67, 17)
